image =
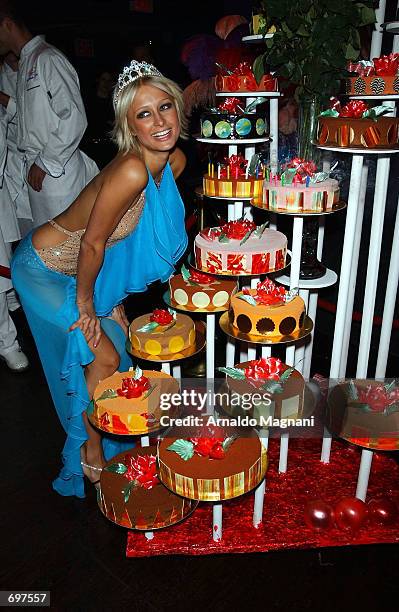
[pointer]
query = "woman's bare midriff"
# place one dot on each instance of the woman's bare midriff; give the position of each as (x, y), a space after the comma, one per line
(76, 216)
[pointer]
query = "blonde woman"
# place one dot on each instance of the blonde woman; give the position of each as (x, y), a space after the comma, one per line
(124, 231)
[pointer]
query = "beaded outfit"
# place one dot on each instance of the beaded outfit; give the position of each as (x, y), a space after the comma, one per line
(48, 296)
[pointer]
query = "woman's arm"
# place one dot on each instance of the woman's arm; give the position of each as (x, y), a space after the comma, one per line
(119, 190)
(177, 161)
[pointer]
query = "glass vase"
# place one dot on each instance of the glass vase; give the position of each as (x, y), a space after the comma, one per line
(309, 111)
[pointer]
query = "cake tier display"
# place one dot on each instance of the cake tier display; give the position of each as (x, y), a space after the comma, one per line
(377, 77)
(231, 120)
(132, 496)
(356, 125)
(264, 389)
(365, 412)
(128, 403)
(240, 247)
(195, 290)
(268, 311)
(300, 189)
(242, 79)
(163, 332)
(211, 468)
(234, 178)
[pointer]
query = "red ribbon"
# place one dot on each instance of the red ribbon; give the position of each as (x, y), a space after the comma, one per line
(386, 65)
(303, 168)
(354, 109)
(161, 316)
(237, 165)
(142, 470)
(132, 388)
(266, 368)
(360, 69)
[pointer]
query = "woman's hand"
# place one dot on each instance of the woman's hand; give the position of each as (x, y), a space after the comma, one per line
(89, 323)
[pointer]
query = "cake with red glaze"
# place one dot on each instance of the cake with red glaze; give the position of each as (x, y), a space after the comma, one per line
(211, 465)
(242, 79)
(267, 388)
(268, 311)
(240, 247)
(365, 412)
(162, 332)
(132, 496)
(194, 290)
(128, 403)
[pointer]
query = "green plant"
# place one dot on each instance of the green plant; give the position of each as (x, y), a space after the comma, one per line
(313, 43)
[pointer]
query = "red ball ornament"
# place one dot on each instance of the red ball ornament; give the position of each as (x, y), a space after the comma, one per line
(319, 515)
(382, 511)
(350, 513)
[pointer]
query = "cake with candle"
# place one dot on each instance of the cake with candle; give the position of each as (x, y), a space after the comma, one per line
(266, 388)
(268, 311)
(233, 179)
(240, 247)
(365, 412)
(128, 403)
(355, 125)
(299, 189)
(211, 464)
(233, 120)
(131, 494)
(242, 79)
(196, 290)
(377, 77)
(162, 332)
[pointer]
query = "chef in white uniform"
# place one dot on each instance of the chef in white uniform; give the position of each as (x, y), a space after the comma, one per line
(10, 351)
(51, 119)
(14, 169)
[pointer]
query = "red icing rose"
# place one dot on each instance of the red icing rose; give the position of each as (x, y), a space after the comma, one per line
(201, 277)
(143, 470)
(354, 109)
(387, 65)
(265, 368)
(377, 397)
(237, 165)
(209, 447)
(268, 293)
(161, 316)
(303, 168)
(231, 105)
(132, 388)
(238, 229)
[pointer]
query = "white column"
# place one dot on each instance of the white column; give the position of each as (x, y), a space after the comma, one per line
(145, 441)
(166, 367)
(273, 130)
(210, 360)
(176, 369)
(217, 522)
(260, 489)
(364, 473)
(376, 38)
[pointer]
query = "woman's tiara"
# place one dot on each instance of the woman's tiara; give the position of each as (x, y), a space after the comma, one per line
(133, 72)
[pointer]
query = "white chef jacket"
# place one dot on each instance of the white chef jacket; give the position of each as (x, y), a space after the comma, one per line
(14, 169)
(51, 121)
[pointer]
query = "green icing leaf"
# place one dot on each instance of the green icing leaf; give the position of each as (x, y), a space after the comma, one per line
(172, 312)
(352, 391)
(390, 386)
(272, 386)
(375, 112)
(247, 235)
(330, 112)
(252, 105)
(116, 468)
(247, 298)
(259, 230)
(253, 164)
(391, 409)
(223, 238)
(228, 442)
(128, 489)
(291, 294)
(108, 394)
(288, 176)
(148, 327)
(286, 374)
(235, 373)
(363, 407)
(185, 273)
(150, 390)
(184, 448)
(137, 373)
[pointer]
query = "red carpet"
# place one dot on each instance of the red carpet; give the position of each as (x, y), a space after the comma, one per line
(286, 495)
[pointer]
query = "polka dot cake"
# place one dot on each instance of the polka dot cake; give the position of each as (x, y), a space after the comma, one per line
(193, 290)
(268, 310)
(159, 334)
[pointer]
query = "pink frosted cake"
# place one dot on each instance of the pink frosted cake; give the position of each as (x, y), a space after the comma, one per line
(240, 247)
(298, 198)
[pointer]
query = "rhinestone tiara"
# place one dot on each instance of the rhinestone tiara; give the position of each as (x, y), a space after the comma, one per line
(133, 72)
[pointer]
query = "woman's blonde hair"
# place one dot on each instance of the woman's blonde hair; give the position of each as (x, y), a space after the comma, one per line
(121, 133)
